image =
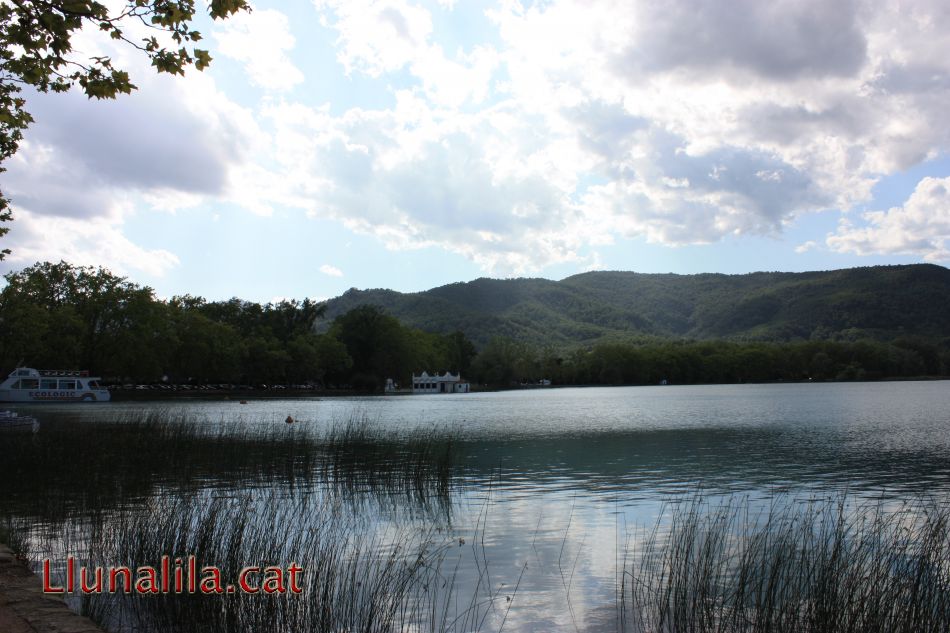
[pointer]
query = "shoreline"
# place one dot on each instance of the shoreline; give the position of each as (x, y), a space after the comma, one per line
(132, 395)
(24, 608)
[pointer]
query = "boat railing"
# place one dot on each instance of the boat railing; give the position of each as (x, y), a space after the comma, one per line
(64, 373)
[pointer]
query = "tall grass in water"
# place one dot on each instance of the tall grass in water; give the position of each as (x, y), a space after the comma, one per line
(418, 464)
(236, 493)
(818, 567)
(72, 468)
(355, 578)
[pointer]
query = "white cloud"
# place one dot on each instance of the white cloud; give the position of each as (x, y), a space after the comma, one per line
(594, 262)
(85, 165)
(775, 40)
(81, 155)
(261, 40)
(603, 129)
(378, 36)
(437, 183)
(332, 271)
(572, 124)
(921, 226)
(386, 36)
(83, 241)
(804, 247)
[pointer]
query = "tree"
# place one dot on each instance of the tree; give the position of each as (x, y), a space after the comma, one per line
(461, 351)
(377, 343)
(504, 362)
(334, 360)
(36, 50)
(60, 315)
(202, 349)
(288, 319)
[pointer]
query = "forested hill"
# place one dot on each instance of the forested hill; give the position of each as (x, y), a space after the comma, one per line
(881, 302)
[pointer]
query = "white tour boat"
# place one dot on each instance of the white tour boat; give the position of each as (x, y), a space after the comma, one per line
(43, 385)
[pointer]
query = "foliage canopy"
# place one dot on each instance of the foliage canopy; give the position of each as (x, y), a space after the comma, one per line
(64, 316)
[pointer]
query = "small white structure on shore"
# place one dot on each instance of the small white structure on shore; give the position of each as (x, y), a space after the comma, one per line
(446, 383)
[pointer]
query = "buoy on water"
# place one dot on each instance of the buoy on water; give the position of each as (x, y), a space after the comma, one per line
(289, 420)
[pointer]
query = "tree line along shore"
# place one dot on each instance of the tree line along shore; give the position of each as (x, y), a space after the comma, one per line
(56, 315)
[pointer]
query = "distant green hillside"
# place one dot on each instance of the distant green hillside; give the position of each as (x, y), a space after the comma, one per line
(881, 302)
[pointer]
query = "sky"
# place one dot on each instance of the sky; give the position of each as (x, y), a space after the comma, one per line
(401, 144)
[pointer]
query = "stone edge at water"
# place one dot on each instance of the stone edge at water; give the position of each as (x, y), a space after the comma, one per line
(24, 608)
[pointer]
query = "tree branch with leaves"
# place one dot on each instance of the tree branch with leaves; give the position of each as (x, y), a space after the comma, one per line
(36, 50)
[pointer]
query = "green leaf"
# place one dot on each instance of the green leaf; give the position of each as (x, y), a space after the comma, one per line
(202, 59)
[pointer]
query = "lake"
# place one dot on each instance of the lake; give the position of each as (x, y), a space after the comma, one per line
(552, 487)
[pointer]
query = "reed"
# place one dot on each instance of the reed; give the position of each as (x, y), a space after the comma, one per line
(419, 464)
(73, 468)
(822, 566)
(358, 575)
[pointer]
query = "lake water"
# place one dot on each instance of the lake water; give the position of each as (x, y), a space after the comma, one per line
(554, 484)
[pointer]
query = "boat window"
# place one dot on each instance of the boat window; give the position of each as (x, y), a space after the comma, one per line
(93, 384)
(67, 384)
(27, 383)
(23, 372)
(47, 383)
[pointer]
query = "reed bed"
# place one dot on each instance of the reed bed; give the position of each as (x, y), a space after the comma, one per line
(73, 468)
(239, 493)
(821, 566)
(357, 575)
(420, 464)
(128, 491)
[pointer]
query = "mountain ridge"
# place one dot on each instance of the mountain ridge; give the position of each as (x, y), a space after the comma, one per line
(880, 302)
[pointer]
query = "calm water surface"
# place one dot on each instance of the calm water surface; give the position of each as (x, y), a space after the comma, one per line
(555, 483)
(634, 442)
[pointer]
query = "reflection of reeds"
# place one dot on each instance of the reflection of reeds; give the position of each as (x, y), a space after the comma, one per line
(356, 578)
(419, 463)
(14, 533)
(824, 566)
(75, 467)
(128, 491)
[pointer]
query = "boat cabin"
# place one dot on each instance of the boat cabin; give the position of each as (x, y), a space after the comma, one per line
(25, 384)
